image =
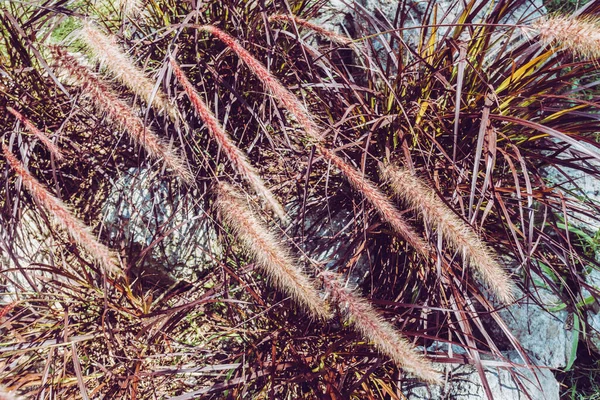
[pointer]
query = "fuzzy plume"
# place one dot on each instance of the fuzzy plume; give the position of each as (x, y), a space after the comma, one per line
(46, 141)
(5, 394)
(121, 113)
(334, 37)
(282, 94)
(374, 328)
(234, 154)
(459, 235)
(581, 36)
(60, 213)
(107, 52)
(268, 252)
(382, 204)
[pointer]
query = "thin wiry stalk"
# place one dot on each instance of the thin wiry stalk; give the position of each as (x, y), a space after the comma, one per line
(60, 213)
(107, 52)
(283, 95)
(380, 201)
(579, 35)
(381, 333)
(121, 114)
(459, 235)
(334, 37)
(268, 252)
(236, 156)
(46, 141)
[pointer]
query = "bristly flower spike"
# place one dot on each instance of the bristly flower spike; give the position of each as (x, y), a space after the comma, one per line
(130, 8)
(457, 233)
(46, 141)
(234, 154)
(121, 114)
(381, 333)
(382, 204)
(279, 92)
(334, 37)
(107, 52)
(581, 36)
(6, 395)
(380, 201)
(59, 212)
(272, 257)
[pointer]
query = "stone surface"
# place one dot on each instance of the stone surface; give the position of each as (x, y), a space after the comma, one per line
(464, 383)
(339, 15)
(573, 182)
(142, 208)
(545, 336)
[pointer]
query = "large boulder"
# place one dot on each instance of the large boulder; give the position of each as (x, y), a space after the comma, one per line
(463, 382)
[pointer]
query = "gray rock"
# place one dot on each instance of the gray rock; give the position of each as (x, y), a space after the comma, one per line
(336, 15)
(574, 183)
(142, 209)
(545, 336)
(464, 383)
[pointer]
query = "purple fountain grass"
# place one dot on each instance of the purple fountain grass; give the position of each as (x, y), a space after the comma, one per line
(334, 37)
(233, 153)
(578, 35)
(381, 333)
(269, 253)
(383, 205)
(380, 201)
(107, 52)
(60, 213)
(121, 113)
(457, 233)
(46, 141)
(279, 92)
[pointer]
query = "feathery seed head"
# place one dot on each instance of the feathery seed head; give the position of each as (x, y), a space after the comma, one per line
(269, 253)
(5, 394)
(107, 52)
(120, 113)
(412, 191)
(130, 7)
(579, 35)
(280, 92)
(382, 204)
(334, 37)
(62, 215)
(46, 141)
(234, 154)
(373, 327)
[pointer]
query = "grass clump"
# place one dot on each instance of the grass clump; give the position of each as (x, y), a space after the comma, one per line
(229, 94)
